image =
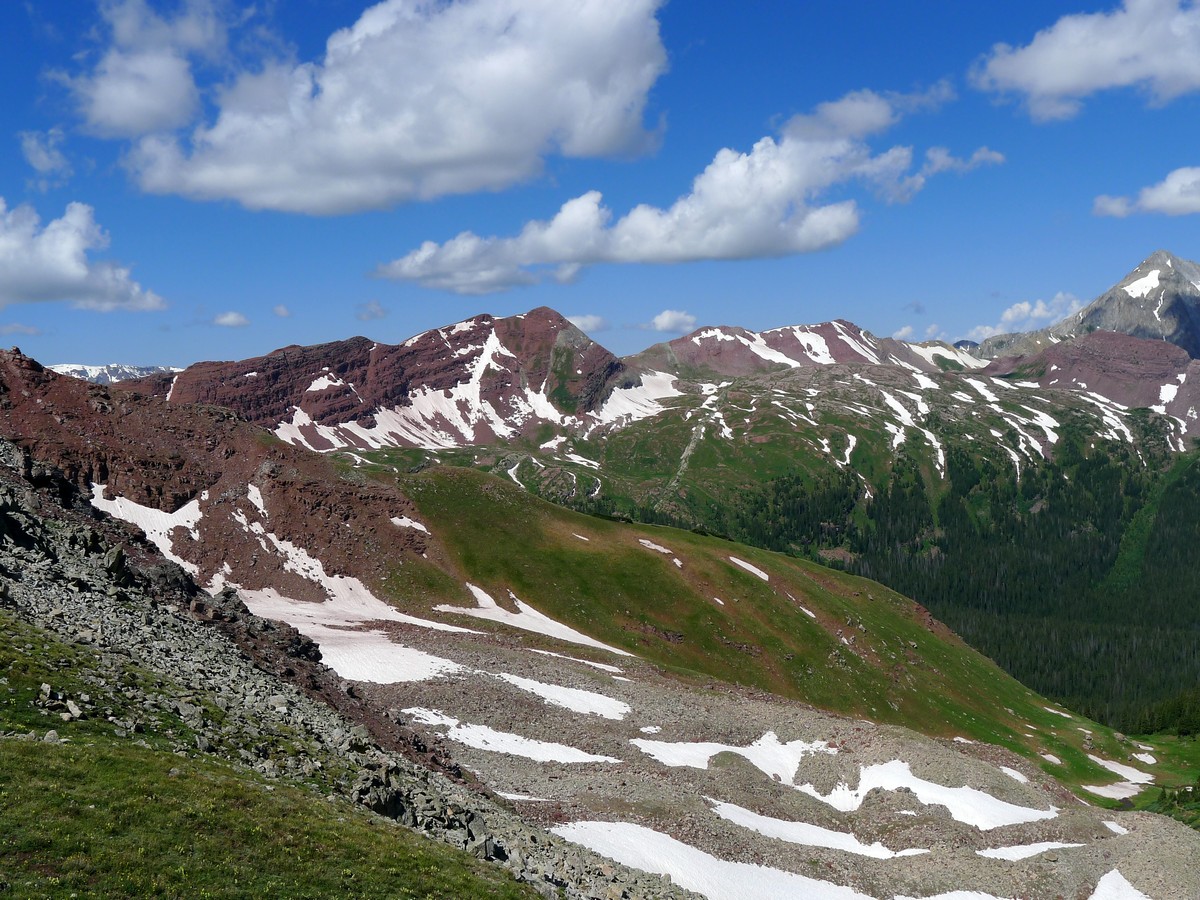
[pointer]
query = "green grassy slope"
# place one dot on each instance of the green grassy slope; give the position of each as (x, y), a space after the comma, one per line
(866, 650)
(101, 816)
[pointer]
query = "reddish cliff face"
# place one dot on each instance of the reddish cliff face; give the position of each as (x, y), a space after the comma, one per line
(1133, 371)
(470, 383)
(732, 352)
(166, 456)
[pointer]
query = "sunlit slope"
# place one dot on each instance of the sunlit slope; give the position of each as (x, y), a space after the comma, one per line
(683, 600)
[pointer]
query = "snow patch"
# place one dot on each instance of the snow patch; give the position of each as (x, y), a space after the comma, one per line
(406, 522)
(574, 699)
(650, 545)
(803, 833)
(777, 760)
(1114, 886)
(692, 869)
(1024, 851)
(1144, 285)
(966, 804)
(1115, 828)
(481, 737)
(753, 570)
(526, 618)
(1014, 774)
(156, 524)
(603, 667)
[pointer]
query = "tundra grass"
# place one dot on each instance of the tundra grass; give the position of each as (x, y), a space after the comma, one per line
(104, 818)
(97, 815)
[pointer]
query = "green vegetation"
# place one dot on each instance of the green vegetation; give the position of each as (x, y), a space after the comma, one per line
(1073, 573)
(113, 819)
(101, 815)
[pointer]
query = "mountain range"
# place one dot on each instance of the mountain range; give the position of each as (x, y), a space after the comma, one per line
(744, 715)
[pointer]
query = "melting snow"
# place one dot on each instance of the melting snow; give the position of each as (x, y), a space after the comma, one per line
(1113, 886)
(582, 460)
(324, 383)
(581, 537)
(1024, 851)
(803, 833)
(692, 869)
(1057, 712)
(649, 729)
(603, 667)
(255, 496)
(1143, 285)
(779, 761)
(406, 522)
(1013, 773)
(627, 405)
(1135, 780)
(553, 443)
(156, 524)
(1050, 757)
(1147, 758)
(526, 618)
(966, 804)
(1115, 828)
(373, 656)
(481, 737)
(924, 382)
(650, 545)
(982, 389)
(574, 699)
(753, 570)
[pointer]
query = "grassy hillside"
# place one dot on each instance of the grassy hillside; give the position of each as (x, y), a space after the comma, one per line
(864, 650)
(94, 814)
(1070, 570)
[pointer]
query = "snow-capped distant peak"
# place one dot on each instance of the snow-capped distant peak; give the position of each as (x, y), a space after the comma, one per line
(110, 373)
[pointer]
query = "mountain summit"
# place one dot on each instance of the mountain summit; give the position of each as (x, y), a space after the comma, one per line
(1159, 300)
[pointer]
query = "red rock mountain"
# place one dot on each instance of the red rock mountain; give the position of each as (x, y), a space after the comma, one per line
(732, 352)
(480, 380)
(224, 499)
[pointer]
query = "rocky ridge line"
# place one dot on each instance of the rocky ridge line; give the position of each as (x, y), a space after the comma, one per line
(61, 572)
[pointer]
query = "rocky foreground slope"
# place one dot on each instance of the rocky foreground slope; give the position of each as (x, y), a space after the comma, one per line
(440, 653)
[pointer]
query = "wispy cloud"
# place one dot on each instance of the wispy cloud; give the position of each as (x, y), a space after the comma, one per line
(282, 311)
(43, 151)
(17, 328)
(369, 311)
(767, 202)
(1150, 44)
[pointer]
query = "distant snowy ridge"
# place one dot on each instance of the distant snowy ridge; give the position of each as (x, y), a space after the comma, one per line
(110, 373)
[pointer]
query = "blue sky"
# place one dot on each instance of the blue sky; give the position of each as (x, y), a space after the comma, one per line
(208, 179)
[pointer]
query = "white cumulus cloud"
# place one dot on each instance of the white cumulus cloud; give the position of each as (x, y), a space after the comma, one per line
(143, 81)
(766, 202)
(1027, 316)
(675, 321)
(1150, 44)
(589, 323)
(231, 320)
(1176, 195)
(282, 311)
(415, 100)
(45, 263)
(903, 333)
